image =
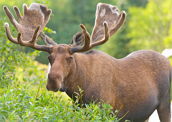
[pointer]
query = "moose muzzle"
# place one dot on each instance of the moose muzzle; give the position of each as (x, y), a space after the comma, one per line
(55, 83)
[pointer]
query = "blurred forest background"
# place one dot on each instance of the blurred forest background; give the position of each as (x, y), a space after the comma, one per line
(148, 24)
(23, 95)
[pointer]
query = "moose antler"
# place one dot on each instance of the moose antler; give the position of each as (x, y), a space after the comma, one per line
(47, 39)
(108, 21)
(30, 25)
(78, 39)
(34, 16)
(31, 43)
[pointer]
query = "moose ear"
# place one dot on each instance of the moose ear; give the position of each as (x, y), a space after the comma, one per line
(78, 39)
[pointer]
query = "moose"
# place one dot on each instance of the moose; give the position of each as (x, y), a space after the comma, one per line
(136, 85)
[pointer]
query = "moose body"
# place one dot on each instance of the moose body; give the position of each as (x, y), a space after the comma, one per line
(135, 85)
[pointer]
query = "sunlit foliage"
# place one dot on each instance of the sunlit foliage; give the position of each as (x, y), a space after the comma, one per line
(151, 27)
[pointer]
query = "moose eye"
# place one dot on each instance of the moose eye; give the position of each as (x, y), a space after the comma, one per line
(69, 59)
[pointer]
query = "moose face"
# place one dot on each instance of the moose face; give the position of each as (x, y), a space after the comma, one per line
(62, 61)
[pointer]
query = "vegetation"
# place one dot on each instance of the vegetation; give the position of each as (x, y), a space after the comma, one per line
(153, 29)
(23, 96)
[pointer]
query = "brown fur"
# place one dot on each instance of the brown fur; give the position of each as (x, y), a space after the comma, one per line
(136, 85)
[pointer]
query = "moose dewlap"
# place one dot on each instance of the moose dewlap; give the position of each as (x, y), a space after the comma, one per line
(135, 85)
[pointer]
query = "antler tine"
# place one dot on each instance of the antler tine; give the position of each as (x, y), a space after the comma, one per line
(86, 41)
(19, 39)
(77, 39)
(46, 11)
(48, 15)
(25, 9)
(10, 16)
(17, 11)
(8, 33)
(47, 39)
(34, 38)
(106, 36)
(119, 22)
(86, 36)
(32, 43)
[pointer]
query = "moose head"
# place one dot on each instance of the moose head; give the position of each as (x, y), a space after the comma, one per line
(108, 20)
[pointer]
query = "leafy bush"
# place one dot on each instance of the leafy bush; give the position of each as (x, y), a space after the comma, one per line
(152, 29)
(26, 99)
(21, 104)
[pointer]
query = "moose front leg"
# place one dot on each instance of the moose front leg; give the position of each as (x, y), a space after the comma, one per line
(164, 113)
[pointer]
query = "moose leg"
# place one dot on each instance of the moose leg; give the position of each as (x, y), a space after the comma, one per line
(164, 111)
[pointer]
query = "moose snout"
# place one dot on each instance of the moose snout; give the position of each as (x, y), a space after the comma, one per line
(54, 82)
(54, 88)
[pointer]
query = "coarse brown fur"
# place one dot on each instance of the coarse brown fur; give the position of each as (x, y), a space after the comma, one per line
(135, 85)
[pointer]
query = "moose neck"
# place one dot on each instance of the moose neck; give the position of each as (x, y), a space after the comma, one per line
(87, 74)
(77, 79)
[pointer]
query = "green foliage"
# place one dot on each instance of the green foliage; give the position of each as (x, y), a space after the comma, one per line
(11, 56)
(150, 27)
(21, 104)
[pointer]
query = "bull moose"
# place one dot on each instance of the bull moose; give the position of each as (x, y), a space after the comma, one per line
(136, 85)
